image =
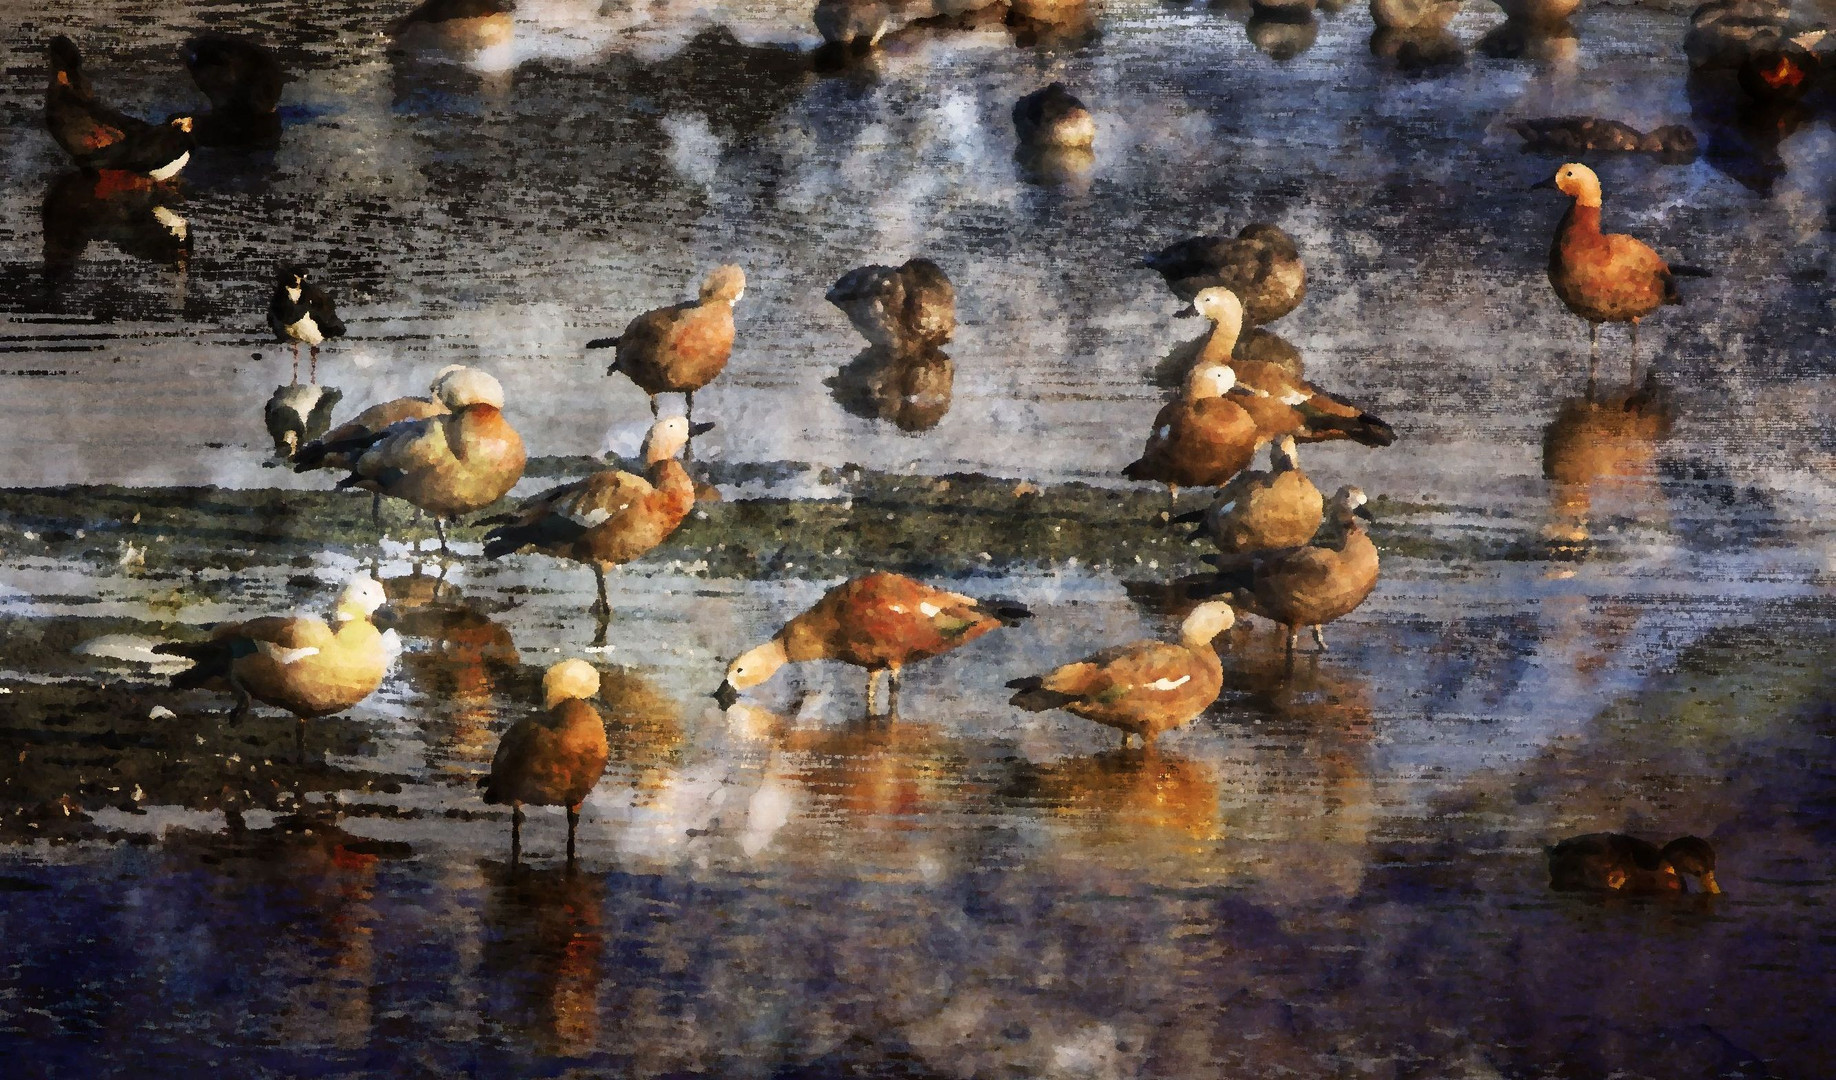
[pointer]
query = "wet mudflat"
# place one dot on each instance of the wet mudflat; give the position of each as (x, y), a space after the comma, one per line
(1337, 871)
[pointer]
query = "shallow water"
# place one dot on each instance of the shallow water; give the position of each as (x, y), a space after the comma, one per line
(1337, 871)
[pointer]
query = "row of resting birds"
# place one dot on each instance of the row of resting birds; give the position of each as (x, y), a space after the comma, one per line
(1285, 552)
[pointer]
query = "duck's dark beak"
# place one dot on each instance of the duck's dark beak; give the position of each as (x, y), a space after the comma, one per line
(1363, 512)
(1547, 182)
(726, 695)
(1186, 312)
(700, 429)
(385, 617)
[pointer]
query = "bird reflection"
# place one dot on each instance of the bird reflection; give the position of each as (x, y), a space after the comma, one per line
(882, 771)
(543, 957)
(1065, 167)
(296, 414)
(138, 216)
(1281, 36)
(1418, 50)
(1121, 794)
(1743, 133)
(1596, 441)
(911, 390)
(1515, 39)
(643, 725)
(470, 660)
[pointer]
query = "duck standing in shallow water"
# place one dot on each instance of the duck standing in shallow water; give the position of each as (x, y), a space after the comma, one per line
(1614, 862)
(340, 447)
(609, 518)
(100, 138)
(554, 758)
(1261, 265)
(681, 348)
(300, 312)
(1140, 689)
(447, 465)
(1200, 439)
(297, 663)
(1308, 585)
(880, 622)
(1605, 277)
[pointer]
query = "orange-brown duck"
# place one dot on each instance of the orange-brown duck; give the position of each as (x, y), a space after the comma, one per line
(1202, 438)
(681, 348)
(1308, 585)
(1140, 689)
(447, 465)
(880, 622)
(1614, 862)
(1260, 510)
(608, 518)
(296, 662)
(1261, 265)
(555, 757)
(1605, 277)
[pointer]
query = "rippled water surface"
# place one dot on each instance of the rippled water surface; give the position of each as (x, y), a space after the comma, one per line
(1337, 871)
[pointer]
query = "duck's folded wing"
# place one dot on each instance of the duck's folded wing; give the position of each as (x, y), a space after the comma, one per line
(407, 447)
(1144, 670)
(324, 312)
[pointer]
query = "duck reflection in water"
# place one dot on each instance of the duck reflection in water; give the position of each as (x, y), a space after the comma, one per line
(543, 956)
(465, 664)
(1600, 443)
(882, 771)
(136, 215)
(910, 390)
(1124, 795)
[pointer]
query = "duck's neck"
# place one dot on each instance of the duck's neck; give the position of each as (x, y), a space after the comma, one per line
(1218, 345)
(1582, 219)
(669, 477)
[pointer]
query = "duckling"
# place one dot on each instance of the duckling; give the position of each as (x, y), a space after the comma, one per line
(80, 125)
(298, 414)
(681, 348)
(1605, 277)
(1278, 400)
(1257, 511)
(880, 622)
(299, 311)
(908, 309)
(1261, 265)
(296, 663)
(243, 80)
(1202, 438)
(445, 465)
(1054, 117)
(1308, 585)
(1568, 134)
(554, 758)
(608, 518)
(1613, 862)
(1140, 689)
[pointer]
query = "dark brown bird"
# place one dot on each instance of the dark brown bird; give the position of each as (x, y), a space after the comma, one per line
(907, 309)
(1574, 134)
(1260, 264)
(1054, 117)
(243, 80)
(681, 348)
(1614, 862)
(79, 123)
(1605, 277)
(553, 758)
(1308, 585)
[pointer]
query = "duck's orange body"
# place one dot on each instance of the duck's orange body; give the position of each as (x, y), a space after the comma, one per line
(884, 621)
(1606, 277)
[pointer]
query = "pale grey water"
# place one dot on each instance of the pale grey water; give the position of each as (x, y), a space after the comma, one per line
(1337, 871)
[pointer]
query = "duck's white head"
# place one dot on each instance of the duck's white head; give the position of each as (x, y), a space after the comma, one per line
(1207, 621)
(469, 386)
(567, 680)
(666, 439)
(1210, 381)
(1348, 502)
(361, 597)
(751, 668)
(439, 379)
(1222, 307)
(726, 283)
(1577, 180)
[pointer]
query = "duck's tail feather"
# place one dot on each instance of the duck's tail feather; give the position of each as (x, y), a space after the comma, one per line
(1195, 517)
(1137, 470)
(209, 660)
(1362, 428)
(605, 342)
(1689, 271)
